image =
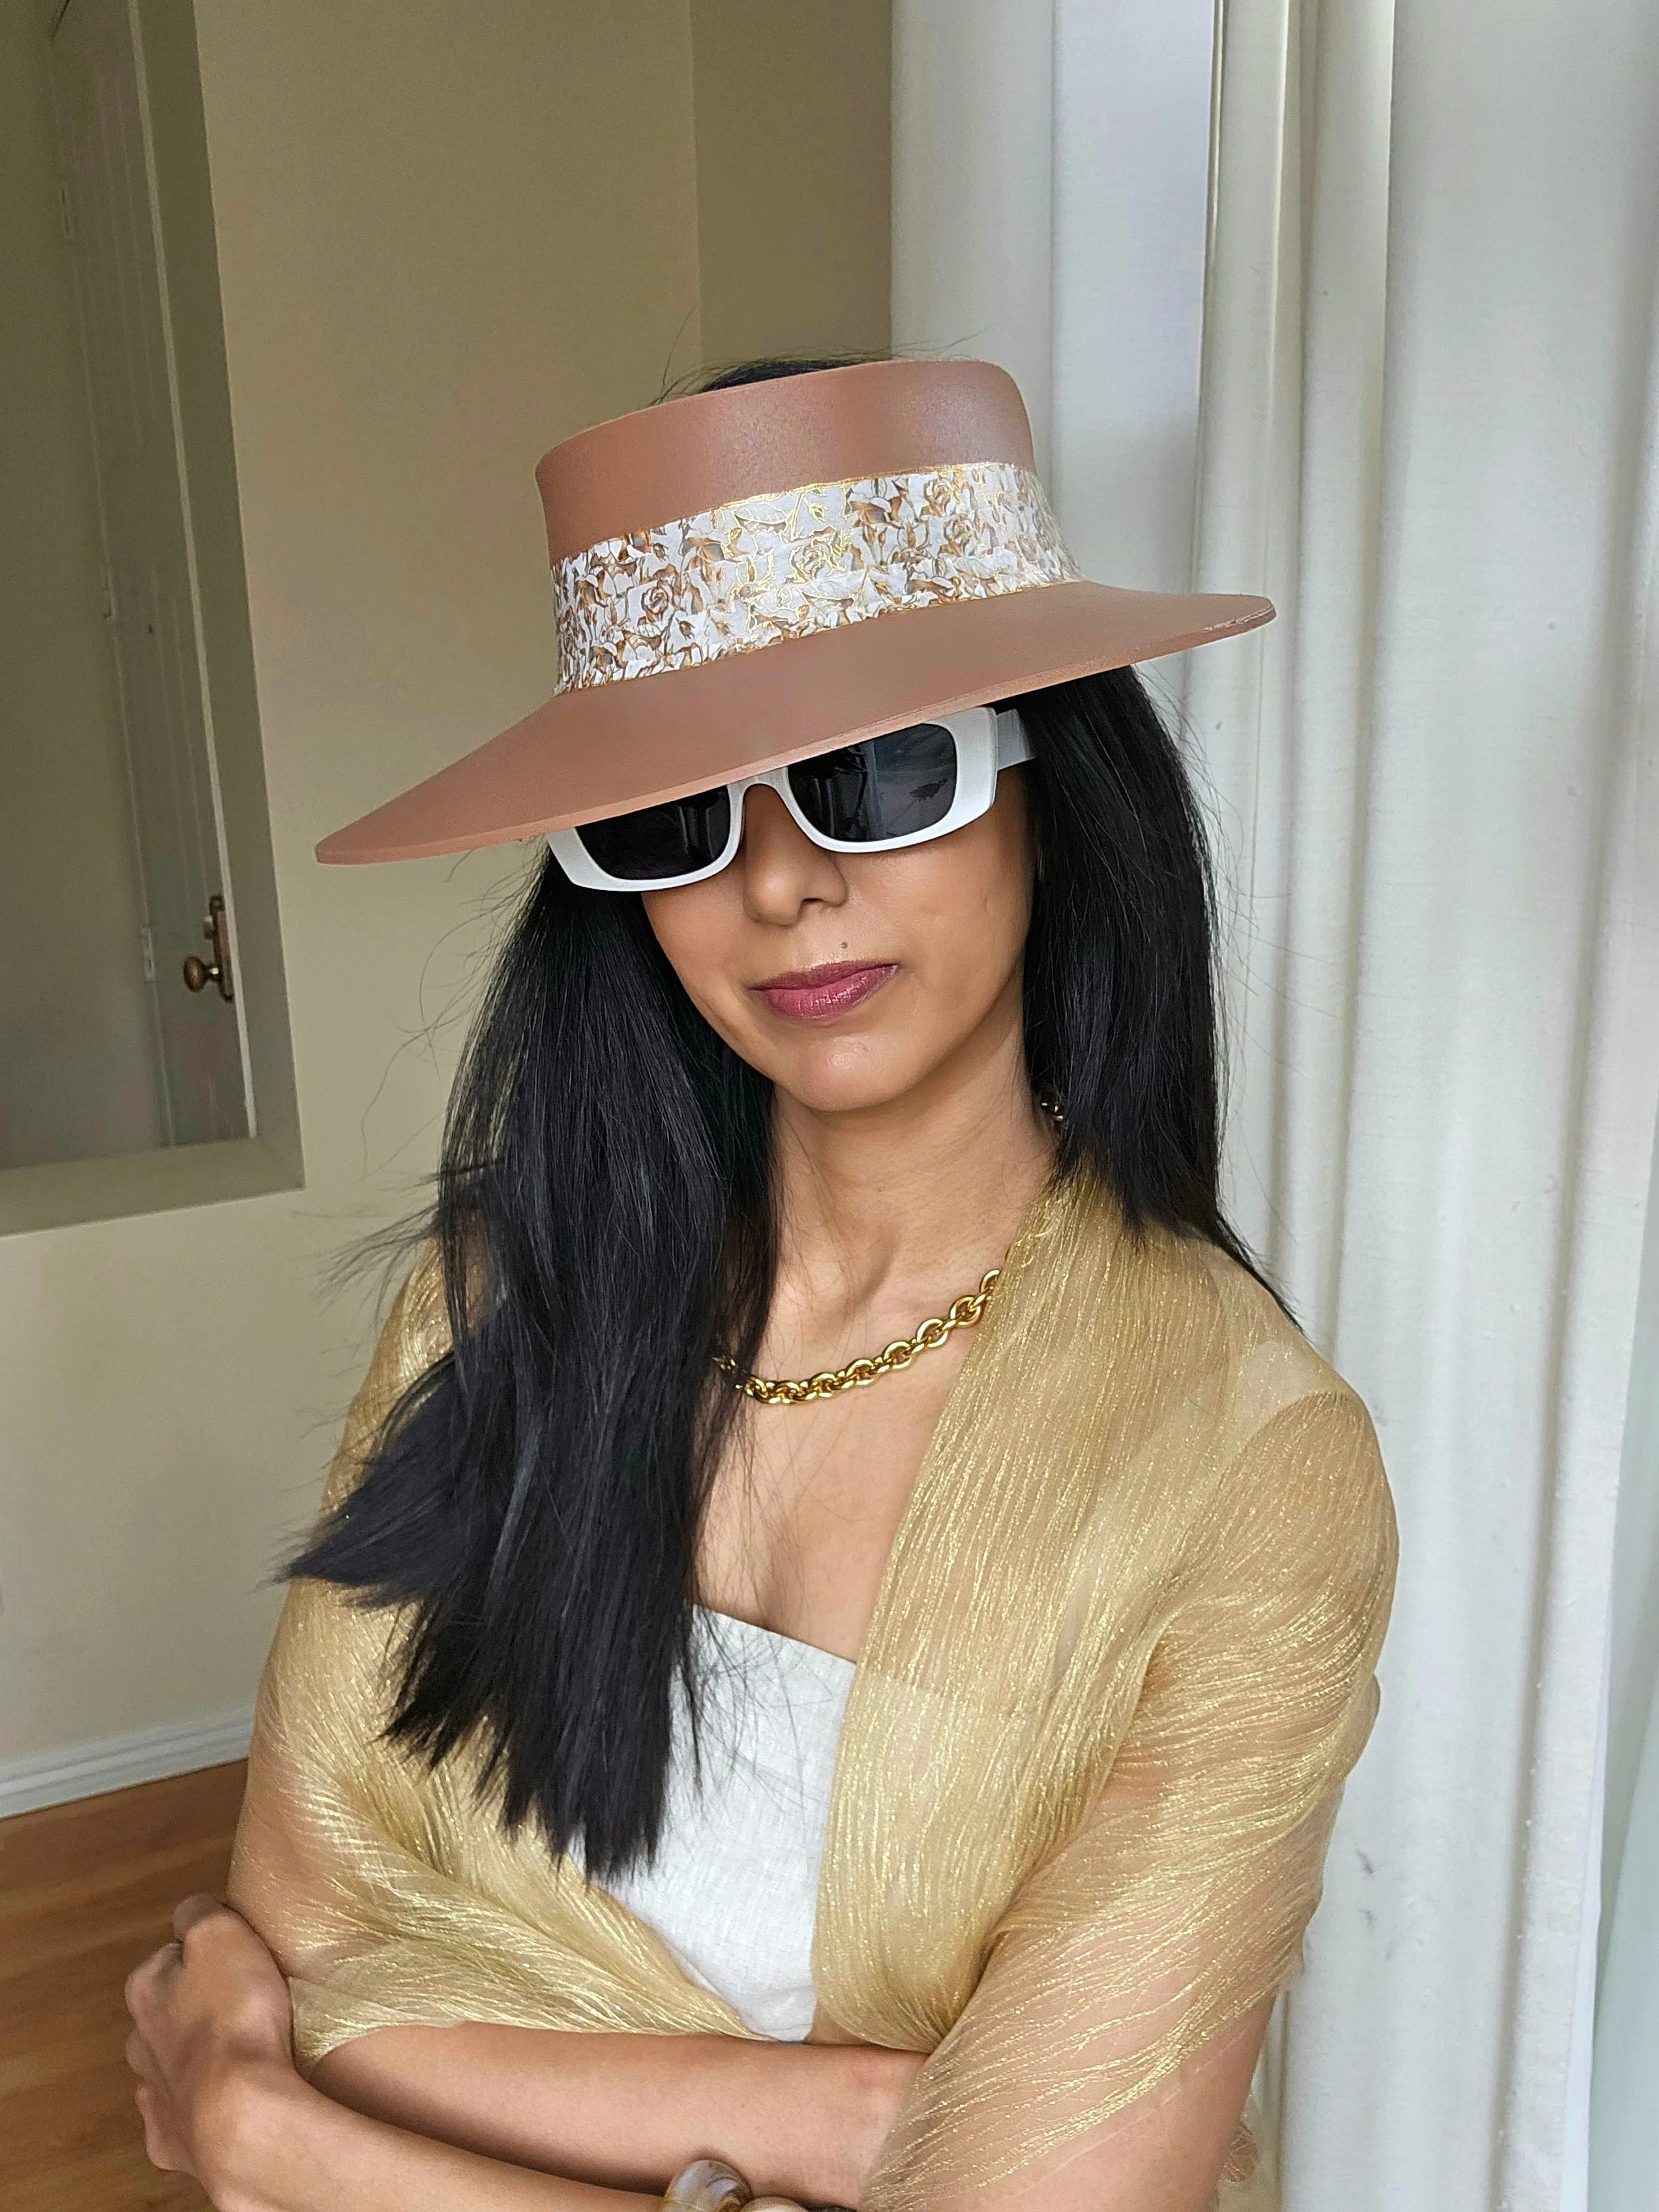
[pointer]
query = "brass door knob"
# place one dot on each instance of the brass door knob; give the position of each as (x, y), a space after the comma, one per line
(199, 973)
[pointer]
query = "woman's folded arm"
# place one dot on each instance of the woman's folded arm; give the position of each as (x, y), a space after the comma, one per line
(627, 2111)
(284, 2147)
(620, 2111)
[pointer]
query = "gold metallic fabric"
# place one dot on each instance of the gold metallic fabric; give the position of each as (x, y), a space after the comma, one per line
(784, 564)
(1121, 1660)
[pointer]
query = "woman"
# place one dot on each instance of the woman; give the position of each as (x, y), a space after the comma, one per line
(901, 1775)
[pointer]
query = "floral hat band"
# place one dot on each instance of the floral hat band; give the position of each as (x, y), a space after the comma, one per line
(751, 576)
(784, 564)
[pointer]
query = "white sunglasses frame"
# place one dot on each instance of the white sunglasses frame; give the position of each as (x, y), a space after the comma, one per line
(987, 740)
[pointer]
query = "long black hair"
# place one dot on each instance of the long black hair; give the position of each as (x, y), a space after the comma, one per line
(605, 1221)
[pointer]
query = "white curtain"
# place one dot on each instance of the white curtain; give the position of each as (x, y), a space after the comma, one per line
(1427, 428)
(1623, 2144)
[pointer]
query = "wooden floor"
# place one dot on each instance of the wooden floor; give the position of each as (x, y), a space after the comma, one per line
(85, 1892)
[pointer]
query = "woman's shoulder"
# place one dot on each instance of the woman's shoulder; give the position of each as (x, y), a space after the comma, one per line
(1181, 1351)
(1175, 1410)
(1303, 1456)
(1214, 1326)
(414, 1338)
(1244, 1393)
(417, 1328)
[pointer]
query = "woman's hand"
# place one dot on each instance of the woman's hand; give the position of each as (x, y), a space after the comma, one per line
(211, 2024)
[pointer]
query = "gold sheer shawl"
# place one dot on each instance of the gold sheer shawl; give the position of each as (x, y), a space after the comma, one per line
(1121, 1660)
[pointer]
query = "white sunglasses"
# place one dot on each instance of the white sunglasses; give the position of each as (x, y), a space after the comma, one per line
(875, 796)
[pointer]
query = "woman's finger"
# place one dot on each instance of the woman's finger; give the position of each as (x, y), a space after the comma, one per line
(144, 1984)
(163, 2147)
(142, 2059)
(191, 1910)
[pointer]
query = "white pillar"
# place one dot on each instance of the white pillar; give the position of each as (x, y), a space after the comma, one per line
(1050, 166)
(973, 188)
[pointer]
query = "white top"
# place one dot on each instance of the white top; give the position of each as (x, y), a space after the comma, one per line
(733, 1888)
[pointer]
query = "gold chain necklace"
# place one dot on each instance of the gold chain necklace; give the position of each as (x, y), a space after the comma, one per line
(892, 1359)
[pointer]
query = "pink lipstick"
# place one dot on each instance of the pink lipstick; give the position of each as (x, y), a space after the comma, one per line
(820, 994)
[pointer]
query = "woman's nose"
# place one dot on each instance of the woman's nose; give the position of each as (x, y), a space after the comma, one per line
(783, 870)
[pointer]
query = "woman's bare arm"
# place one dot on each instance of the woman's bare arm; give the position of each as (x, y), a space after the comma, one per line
(313, 2160)
(618, 2115)
(627, 2111)
(611, 2092)
(280, 2146)
(624, 2112)
(221, 2099)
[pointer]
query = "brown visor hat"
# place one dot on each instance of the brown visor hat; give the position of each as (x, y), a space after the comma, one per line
(745, 577)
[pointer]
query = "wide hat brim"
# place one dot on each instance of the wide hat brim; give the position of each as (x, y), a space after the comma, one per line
(618, 745)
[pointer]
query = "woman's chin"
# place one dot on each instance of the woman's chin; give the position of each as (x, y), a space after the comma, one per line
(831, 1077)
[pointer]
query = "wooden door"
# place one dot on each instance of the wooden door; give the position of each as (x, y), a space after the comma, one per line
(112, 221)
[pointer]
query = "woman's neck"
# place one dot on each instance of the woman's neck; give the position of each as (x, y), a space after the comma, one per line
(880, 1206)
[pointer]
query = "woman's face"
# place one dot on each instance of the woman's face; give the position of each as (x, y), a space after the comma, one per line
(850, 979)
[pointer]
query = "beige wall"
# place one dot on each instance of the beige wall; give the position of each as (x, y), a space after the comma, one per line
(449, 234)
(77, 1067)
(793, 157)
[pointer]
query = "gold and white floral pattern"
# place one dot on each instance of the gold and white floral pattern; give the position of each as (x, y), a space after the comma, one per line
(785, 564)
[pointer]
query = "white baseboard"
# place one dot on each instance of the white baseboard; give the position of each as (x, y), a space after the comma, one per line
(88, 1769)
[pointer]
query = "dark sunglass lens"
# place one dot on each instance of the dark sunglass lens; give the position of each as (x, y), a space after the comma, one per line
(888, 786)
(659, 842)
